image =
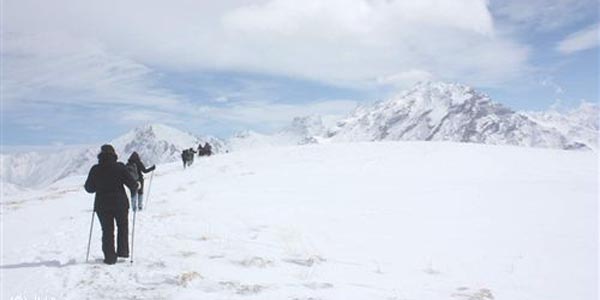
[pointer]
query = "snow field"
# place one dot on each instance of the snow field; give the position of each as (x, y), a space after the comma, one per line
(389, 220)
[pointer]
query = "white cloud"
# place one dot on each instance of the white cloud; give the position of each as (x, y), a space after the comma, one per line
(274, 115)
(357, 43)
(58, 68)
(138, 115)
(406, 78)
(584, 39)
(105, 54)
(348, 43)
(551, 83)
(544, 15)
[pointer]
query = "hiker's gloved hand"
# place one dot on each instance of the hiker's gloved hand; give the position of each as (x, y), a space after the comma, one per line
(139, 185)
(152, 168)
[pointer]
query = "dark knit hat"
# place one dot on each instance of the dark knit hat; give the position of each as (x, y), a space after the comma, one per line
(134, 157)
(107, 153)
(106, 148)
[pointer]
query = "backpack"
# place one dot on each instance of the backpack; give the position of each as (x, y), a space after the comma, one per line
(132, 169)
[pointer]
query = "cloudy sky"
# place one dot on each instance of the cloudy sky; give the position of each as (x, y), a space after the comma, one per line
(78, 71)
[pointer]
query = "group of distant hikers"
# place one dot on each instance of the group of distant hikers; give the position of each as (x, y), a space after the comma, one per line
(187, 155)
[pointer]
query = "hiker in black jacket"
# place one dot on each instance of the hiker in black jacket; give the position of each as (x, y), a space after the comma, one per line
(207, 149)
(135, 159)
(200, 150)
(191, 154)
(106, 179)
(184, 157)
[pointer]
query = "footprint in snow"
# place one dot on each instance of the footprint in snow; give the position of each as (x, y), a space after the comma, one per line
(242, 289)
(157, 265)
(255, 261)
(306, 262)
(318, 285)
(164, 215)
(186, 278)
(186, 253)
(464, 293)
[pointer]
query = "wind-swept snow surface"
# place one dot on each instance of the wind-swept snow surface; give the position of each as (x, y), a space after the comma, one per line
(388, 220)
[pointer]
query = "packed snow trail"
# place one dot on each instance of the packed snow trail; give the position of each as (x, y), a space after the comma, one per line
(400, 220)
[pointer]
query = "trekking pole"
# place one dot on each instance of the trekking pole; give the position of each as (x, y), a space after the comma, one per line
(133, 234)
(149, 186)
(87, 256)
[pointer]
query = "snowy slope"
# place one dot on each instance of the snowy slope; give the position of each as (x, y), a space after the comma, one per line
(248, 139)
(581, 124)
(436, 111)
(156, 143)
(412, 220)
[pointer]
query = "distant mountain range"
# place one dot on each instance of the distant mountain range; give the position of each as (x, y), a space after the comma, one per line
(301, 131)
(154, 143)
(580, 124)
(436, 111)
(432, 111)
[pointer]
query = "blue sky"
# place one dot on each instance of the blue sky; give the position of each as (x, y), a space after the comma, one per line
(83, 72)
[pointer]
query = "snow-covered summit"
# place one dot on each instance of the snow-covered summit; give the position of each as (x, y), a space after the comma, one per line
(158, 132)
(581, 124)
(306, 126)
(301, 131)
(158, 143)
(437, 111)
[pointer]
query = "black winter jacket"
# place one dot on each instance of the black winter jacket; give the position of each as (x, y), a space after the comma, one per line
(106, 179)
(142, 169)
(134, 158)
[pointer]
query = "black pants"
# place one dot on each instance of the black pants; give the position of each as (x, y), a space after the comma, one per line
(141, 189)
(107, 221)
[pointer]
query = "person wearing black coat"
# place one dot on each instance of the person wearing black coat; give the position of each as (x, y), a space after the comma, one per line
(207, 149)
(200, 150)
(190, 158)
(135, 159)
(106, 179)
(184, 157)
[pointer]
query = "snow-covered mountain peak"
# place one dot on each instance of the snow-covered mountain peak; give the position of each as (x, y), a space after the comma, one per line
(156, 132)
(581, 124)
(155, 143)
(306, 126)
(302, 130)
(160, 143)
(587, 113)
(447, 112)
(434, 94)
